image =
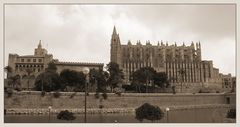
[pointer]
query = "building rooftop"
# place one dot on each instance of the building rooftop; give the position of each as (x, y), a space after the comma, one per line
(79, 63)
(31, 56)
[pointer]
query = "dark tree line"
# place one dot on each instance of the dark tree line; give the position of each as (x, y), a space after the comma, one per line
(147, 77)
(71, 80)
(13, 80)
(49, 80)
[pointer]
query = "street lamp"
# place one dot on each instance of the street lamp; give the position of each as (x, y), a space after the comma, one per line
(85, 72)
(167, 110)
(49, 112)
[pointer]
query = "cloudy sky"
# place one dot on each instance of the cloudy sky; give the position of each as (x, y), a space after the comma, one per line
(82, 33)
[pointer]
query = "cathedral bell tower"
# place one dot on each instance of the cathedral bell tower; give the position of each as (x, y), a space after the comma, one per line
(115, 48)
(39, 51)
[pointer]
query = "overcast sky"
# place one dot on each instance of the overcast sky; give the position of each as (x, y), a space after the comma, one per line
(82, 33)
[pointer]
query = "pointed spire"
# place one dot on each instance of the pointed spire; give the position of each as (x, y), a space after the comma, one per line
(40, 44)
(199, 44)
(192, 45)
(129, 42)
(183, 44)
(114, 30)
(175, 44)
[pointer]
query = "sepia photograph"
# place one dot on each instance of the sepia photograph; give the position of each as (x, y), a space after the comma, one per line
(119, 63)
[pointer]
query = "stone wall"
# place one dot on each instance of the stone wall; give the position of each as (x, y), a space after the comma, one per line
(126, 100)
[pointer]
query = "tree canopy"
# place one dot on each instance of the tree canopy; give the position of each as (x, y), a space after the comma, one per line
(149, 112)
(142, 77)
(9, 70)
(51, 67)
(73, 78)
(14, 82)
(100, 78)
(231, 113)
(48, 81)
(160, 79)
(66, 115)
(116, 74)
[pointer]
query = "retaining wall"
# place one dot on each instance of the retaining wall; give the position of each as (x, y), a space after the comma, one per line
(126, 100)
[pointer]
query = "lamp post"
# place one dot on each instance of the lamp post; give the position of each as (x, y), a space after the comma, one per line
(167, 110)
(85, 71)
(49, 113)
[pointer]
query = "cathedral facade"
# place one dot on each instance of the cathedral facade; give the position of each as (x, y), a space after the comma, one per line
(163, 57)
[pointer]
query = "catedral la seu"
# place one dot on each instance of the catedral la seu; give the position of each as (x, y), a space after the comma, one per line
(141, 83)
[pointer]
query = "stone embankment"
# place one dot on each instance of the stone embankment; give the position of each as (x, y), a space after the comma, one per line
(108, 110)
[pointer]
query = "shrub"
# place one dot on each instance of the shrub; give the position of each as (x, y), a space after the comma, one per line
(149, 112)
(100, 106)
(231, 114)
(217, 91)
(104, 95)
(43, 93)
(56, 94)
(66, 115)
(72, 95)
(119, 93)
(96, 95)
(9, 92)
(17, 89)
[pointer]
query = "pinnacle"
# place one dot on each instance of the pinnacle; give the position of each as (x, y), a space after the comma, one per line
(114, 30)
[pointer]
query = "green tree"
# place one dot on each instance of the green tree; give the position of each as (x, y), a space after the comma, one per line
(149, 112)
(231, 113)
(116, 75)
(93, 74)
(99, 78)
(29, 72)
(182, 72)
(143, 76)
(73, 78)
(9, 71)
(66, 115)
(51, 67)
(161, 79)
(102, 80)
(14, 82)
(48, 81)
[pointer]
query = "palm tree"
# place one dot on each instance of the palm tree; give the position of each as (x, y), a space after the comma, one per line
(29, 72)
(182, 72)
(115, 75)
(9, 70)
(14, 81)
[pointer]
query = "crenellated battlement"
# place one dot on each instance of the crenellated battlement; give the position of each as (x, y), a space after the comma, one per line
(79, 63)
(164, 44)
